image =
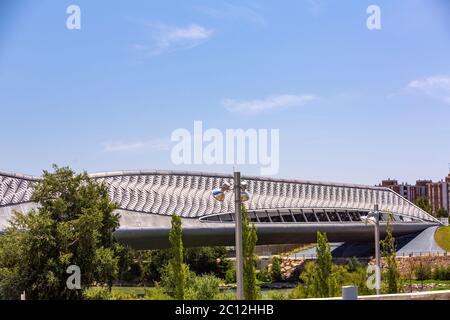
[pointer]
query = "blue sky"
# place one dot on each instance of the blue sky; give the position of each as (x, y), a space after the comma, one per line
(352, 104)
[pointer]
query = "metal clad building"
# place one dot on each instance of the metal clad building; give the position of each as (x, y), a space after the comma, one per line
(284, 211)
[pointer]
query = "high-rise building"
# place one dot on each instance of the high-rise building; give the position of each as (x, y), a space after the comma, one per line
(408, 191)
(447, 180)
(438, 195)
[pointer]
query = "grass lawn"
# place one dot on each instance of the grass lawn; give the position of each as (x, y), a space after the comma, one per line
(442, 237)
(138, 291)
(428, 281)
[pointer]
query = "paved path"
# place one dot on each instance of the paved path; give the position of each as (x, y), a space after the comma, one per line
(424, 242)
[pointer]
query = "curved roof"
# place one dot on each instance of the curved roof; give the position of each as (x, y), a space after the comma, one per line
(189, 193)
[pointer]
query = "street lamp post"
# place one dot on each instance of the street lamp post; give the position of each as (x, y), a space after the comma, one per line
(373, 217)
(240, 195)
(377, 248)
(238, 237)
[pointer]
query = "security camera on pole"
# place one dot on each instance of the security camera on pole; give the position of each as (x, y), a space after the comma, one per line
(240, 195)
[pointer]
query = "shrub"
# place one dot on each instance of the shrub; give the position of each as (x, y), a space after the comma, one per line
(275, 273)
(353, 264)
(422, 272)
(359, 278)
(168, 280)
(226, 296)
(204, 287)
(276, 295)
(441, 273)
(206, 260)
(263, 275)
(230, 275)
(156, 293)
(97, 293)
(118, 295)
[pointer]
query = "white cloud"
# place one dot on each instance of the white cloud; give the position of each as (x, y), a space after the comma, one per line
(270, 103)
(152, 145)
(437, 87)
(167, 38)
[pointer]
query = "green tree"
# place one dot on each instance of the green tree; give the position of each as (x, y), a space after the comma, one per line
(275, 272)
(321, 279)
(206, 260)
(230, 275)
(73, 224)
(263, 275)
(177, 269)
(358, 277)
(424, 204)
(153, 264)
(324, 266)
(249, 239)
(441, 213)
(392, 282)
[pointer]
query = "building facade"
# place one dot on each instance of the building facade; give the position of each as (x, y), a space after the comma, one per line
(283, 210)
(437, 193)
(408, 191)
(447, 180)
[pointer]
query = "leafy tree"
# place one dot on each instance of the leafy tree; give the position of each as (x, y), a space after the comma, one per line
(73, 225)
(353, 264)
(305, 289)
(391, 276)
(169, 281)
(275, 273)
(249, 239)
(358, 277)
(206, 260)
(323, 268)
(263, 275)
(441, 213)
(424, 204)
(322, 278)
(177, 269)
(423, 272)
(230, 275)
(132, 264)
(152, 264)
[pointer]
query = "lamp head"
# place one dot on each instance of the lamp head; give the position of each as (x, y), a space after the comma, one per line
(225, 187)
(372, 220)
(364, 219)
(218, 194)
(368, 219)
(245, 196)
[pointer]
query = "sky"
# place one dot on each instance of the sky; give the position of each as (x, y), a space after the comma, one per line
(351, 104)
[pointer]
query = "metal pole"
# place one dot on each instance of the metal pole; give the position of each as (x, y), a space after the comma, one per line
(238, 235)
(377, 249)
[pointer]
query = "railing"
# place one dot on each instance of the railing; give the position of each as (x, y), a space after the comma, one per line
(399, 255)
(422, 254)
(351, 293)
(303, 256)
